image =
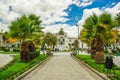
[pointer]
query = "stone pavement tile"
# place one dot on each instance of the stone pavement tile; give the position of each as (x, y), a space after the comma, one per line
(116, 60)
(5, 59)
(60, 68)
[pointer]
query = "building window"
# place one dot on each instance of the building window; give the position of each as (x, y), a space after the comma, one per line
(58, 40)
(63, 40)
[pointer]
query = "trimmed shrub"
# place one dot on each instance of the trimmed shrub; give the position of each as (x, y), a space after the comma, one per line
(99, 57)
(28, 51)
(16, 49)
(7, 50)
(34, 54)
(74, 52)
(31, 46)
(37, 51)
(105, 51)
(4, 49)
(24, 51)
(113, 51)
(49, 51)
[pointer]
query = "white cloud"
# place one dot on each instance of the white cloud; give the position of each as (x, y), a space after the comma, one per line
(114, 10)
(72, 31)
(3, 27)
(87, 12)
(113, 3)
(83, 3)
(50, 12)
(43, 8)
(3, 10)
(86, 3)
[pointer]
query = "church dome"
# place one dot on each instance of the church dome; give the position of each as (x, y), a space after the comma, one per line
(61, 32)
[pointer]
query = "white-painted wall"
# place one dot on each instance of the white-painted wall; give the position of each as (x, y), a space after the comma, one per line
(67, 40)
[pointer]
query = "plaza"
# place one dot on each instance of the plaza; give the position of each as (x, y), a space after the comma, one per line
(59, 40)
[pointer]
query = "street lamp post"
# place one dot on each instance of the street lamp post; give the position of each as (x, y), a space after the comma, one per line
(78, 37)
(76, 18)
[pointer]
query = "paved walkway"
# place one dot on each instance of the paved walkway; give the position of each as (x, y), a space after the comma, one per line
(62, 67)
(117, 61)
(5, 59)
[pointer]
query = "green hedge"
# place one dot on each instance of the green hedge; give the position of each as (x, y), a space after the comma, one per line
(87, 59)
(105, 51)
(34, 54)
(9, 64)
(16, 49)
(2, 48)
(19, 67)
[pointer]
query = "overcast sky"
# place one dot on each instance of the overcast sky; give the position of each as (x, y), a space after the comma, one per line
(56, 13)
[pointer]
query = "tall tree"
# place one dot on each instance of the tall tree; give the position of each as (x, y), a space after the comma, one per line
(54, 41)
(5, 36)
(50, 40)
(47, 39)
(118, 18)
(23, 28)
(98, 30)
(76, 44)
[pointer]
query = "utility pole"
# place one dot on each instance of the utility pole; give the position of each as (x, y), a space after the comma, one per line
(78, 37)
(78, 34)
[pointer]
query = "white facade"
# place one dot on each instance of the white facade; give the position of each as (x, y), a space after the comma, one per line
(65, 43)
(1, 40)
(2, 43)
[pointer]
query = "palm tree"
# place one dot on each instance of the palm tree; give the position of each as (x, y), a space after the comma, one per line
(37, 38)
(98, 30)
(76, 44)
(50, 40)
(47, 39)
(23, 28)
(53, 41)
(36, 30)
(89, 32)
(5, 36)
(117, 18)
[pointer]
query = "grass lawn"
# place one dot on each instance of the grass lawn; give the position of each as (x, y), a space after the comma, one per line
(9, 52)
(99, 67)
(19, 67)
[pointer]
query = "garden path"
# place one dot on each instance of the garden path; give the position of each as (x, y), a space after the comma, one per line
(62, 67)
(5, 59)
(116, 61)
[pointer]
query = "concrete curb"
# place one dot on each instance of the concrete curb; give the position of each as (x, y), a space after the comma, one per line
(89, 67)
(31, 69)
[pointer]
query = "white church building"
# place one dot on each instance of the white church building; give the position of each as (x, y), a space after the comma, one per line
(65, 43)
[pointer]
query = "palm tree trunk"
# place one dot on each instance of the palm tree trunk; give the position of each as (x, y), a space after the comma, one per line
(93, 49)
(99, 56)
(53, 48)
(24, 51)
